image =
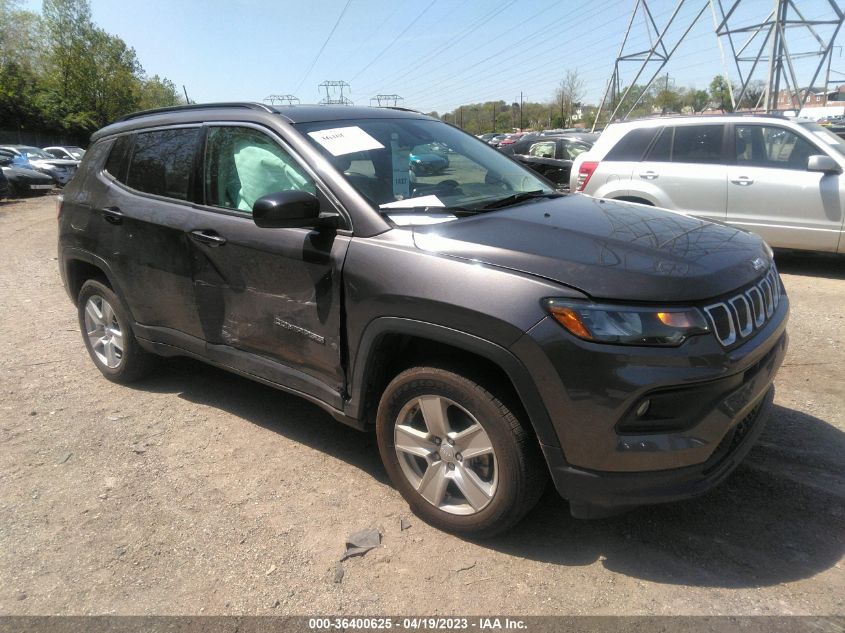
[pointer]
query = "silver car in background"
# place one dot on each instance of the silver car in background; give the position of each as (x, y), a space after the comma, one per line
(778, 177)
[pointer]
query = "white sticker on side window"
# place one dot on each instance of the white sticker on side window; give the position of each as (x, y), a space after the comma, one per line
(345, 140)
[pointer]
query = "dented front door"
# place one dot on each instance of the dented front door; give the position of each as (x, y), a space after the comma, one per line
(274, 293)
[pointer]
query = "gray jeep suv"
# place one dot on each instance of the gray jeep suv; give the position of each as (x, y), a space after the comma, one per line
(491, 331)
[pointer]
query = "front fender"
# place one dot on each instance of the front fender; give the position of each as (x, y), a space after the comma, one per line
(366, 360)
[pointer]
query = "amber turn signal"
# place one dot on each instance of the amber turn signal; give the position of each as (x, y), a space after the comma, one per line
(570, 319)
(676, 319)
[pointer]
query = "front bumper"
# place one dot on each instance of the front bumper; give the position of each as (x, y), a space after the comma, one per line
(718, 400)
(593, 494)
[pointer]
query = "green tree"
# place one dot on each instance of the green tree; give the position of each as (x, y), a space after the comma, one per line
(668, 100)
(696, 100)
(720, 91)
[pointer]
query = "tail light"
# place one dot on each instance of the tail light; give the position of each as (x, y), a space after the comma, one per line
(585, 172)
(59, 201)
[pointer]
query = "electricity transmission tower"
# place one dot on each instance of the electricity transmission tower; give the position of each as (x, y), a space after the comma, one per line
(657, 55)
(281, 99)
(387, 100)
(731, 23)
(773, 36)
(334, 93)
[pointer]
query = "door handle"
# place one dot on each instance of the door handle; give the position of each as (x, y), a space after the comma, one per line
(112, 215)
(742, 181)
(649, 175)
(209, 238)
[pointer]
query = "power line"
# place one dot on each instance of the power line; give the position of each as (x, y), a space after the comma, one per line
(471, 28)
(523, 40)
(395, 39)
(323, 47)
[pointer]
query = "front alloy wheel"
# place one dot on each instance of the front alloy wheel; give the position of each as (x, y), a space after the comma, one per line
(446, 455)
(457, 453)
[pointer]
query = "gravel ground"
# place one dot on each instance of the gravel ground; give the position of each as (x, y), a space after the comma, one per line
(196, 491)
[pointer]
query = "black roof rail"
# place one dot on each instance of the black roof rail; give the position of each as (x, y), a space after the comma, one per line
(251, 105)
(702, 115)
(401, 109)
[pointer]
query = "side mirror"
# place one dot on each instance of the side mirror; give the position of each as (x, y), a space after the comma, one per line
(286, 209)
(824, 164)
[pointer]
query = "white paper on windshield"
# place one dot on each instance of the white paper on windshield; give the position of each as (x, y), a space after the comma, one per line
(419, 219)
(413, 203)
(345, 140)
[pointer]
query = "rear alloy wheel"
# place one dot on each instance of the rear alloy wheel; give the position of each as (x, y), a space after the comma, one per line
(458, 454)
(108, 336)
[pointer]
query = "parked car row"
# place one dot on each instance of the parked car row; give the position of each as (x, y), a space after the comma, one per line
(30, 170)
(550, 153)
(21, 180)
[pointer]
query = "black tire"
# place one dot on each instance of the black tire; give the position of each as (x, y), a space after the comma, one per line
(520, 467)
(134, 362)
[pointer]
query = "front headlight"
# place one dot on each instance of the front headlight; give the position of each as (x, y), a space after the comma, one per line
(627, 325)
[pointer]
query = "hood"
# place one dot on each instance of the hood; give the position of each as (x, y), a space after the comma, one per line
(12, 172)
(606, 249)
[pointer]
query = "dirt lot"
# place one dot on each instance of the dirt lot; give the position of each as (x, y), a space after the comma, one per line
(196, 491)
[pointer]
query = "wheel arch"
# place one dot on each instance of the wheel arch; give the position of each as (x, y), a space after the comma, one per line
(78, 266)
(637, 199)
(391, 344)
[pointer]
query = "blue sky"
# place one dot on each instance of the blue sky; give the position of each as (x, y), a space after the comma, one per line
(437, 54)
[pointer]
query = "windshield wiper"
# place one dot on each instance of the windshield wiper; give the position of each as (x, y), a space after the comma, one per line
(515, 198)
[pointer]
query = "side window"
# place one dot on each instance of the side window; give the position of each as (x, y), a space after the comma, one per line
(633, 145)
(698, 144)
(661, 150)
(116, 163)
(571, 150)
(544, 149)
(775, 147)
(162, 162)
(242, 165)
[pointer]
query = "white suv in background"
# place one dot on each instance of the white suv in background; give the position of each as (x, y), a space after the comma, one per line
(778, 177)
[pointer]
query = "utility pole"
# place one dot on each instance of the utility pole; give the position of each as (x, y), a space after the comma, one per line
(520, 110)
(494, 105)
(462, 116)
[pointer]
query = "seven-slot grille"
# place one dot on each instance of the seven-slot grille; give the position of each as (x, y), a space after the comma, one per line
(740, 316)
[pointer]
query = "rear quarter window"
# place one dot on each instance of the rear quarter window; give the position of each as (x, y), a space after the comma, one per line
(162, 162)
(633, 145)
(118, 158)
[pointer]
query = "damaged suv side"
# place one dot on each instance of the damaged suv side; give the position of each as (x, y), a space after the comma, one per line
(492, 332)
